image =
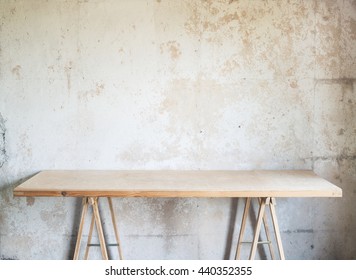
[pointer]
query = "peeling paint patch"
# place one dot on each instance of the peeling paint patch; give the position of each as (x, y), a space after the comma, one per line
(3, 155)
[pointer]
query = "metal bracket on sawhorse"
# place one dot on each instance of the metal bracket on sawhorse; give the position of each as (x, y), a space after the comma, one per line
(93, 202)
(263, 201)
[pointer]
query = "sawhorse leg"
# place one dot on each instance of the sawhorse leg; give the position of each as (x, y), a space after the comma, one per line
(93, 201)
(271, 202)
(113, 219)
(276, 228)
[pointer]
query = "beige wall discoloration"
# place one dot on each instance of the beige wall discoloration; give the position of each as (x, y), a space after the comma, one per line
(173, 48)
(16, 71)
(196, 84)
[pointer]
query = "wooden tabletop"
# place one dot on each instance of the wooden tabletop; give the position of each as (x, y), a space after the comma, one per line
(184, 183)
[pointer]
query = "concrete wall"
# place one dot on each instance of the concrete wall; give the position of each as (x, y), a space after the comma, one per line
(177, 85)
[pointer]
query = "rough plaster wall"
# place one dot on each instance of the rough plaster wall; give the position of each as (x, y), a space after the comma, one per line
(177, 84)
(2, 142)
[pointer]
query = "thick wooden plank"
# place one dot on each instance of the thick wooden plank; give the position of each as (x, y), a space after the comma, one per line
(170, 183)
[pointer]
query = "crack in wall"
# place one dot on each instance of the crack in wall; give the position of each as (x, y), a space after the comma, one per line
(3, 155)
(337, 158)
(348, 81)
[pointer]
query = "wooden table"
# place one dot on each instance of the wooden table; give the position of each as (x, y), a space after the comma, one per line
(265, 185)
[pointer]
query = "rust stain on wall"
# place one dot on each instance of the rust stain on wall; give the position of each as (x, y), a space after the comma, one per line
(173, 48)
(230, 65)
(329, 30)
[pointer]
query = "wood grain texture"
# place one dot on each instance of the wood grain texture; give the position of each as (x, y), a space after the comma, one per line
(174, 183)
